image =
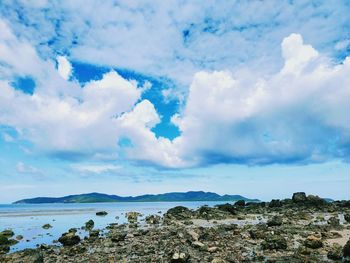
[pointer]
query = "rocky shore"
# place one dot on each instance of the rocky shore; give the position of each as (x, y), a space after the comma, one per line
(300, 229)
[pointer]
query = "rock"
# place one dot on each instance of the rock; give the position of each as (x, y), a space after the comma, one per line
(218, 260)
(101, 213)
(197, 244)
(46, 226)
(153, 219)
(275, 221)
(299, 197)
(275, 203)
(69, 239)
(240, 203)
(313, 242)
(179, 257)
(73, 230)
(335, 252)
(212, 249)
(132, 217)
(227, 208)
(346, 249)
(179, 213)
(19, 237)
(274, 242)
(89, 224)
(7, 233)
(314, 200)
(194, 236)
(333, 221)
(117, 236)
(347, 217)
(94, 233)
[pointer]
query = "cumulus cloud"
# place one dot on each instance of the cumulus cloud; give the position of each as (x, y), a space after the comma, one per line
(298, 115)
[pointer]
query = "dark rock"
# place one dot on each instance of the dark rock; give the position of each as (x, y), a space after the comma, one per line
(314, 200)
(240, 203)
(7, 233)
(346, 249)
(227, 208)
(347, 217)
(335, 252)
(179, 213)
(89, 224)
(101, 213)
(274, 242)
(46, 226)
(275, 221)
(313, 242)
(153, 219)
(94, 233)
(69, 239)
(333, 221)
(132, 217)
(299, 197)
(117, 236)
(4, 240)
(275, 203)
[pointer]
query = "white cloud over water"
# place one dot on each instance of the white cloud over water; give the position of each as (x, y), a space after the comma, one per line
(298, 114)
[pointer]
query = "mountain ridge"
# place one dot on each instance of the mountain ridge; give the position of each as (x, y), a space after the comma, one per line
(165, 197)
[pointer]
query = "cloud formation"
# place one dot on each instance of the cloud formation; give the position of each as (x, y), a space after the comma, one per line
(298, 114)
(177, 38)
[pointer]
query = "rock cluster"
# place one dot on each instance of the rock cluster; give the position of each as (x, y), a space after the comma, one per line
(291, 230)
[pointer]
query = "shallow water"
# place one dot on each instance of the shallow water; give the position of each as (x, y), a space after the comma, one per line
(27, 219)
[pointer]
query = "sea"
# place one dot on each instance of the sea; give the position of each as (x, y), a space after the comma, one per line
(27, 219)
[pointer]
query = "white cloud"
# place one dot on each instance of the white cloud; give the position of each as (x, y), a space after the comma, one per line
(96, 168)
(27, 169)
(61, 117)
(7, 137)
(299, 114)
(175, 38)
(64, 67)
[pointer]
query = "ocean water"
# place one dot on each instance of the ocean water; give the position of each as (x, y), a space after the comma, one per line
(27, 219)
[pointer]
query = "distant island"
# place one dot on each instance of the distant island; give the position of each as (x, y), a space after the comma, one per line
(167, 197)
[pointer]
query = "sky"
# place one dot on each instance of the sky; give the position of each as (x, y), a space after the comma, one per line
(136, 97)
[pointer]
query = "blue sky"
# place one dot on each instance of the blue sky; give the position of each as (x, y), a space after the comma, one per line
(128, 97)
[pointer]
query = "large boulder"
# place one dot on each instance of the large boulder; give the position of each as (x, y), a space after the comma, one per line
(313, 242)
(346, 249)
(275, 221)
(314, 200)
(299, 197)
(240, 203)
(274, 242)
(153, 219)
(89, 224)
(69, 239)
(335, 252)
(101, 213)
(227, 208)
(132, 217)
(7, 233)
(179, 213)
(275, 203)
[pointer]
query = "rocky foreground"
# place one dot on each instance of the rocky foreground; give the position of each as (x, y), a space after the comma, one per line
(301, 229)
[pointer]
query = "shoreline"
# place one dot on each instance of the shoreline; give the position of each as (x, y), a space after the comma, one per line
(290, 230)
